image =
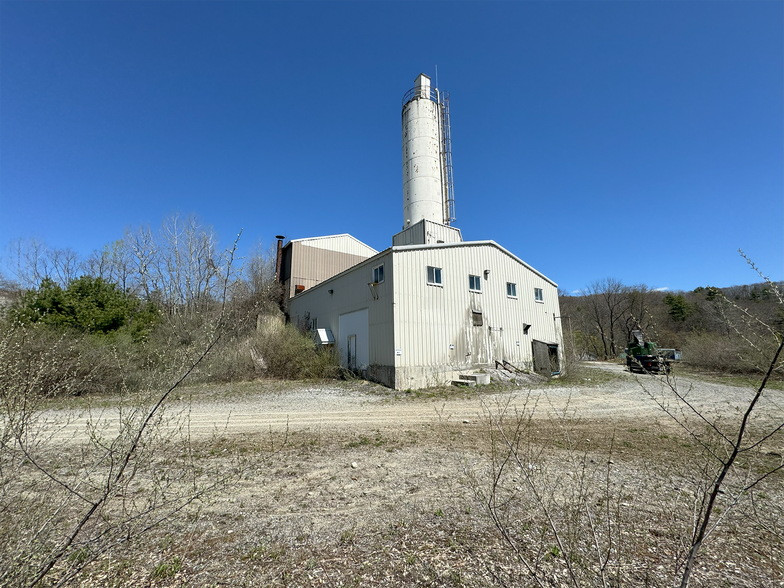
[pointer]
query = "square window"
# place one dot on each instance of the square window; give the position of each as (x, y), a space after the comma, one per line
(434, 275)
(474, 283)
(511, 290)
(476, 317)
(538, 295)
(378, 274)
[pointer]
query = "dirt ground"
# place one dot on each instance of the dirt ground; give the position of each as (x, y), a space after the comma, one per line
(359, 406)
(350, 484)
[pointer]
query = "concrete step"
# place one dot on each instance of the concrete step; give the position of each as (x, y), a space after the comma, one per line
(461, 382)
(472, 380)
(482, 379)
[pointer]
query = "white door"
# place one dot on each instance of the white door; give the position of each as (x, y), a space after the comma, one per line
(351, 352)
(357, 354)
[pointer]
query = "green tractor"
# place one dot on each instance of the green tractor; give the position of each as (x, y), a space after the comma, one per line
(647, 358)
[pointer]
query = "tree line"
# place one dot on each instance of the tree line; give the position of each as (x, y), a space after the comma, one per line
(712, 326)
(152, 294)
(179, 266)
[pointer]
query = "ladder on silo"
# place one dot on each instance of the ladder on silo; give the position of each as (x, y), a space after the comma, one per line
(447, 158)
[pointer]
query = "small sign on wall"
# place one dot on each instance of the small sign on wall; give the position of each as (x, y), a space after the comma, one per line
(398, 352)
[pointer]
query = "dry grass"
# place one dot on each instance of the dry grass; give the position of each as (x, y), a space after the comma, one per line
(395, 507)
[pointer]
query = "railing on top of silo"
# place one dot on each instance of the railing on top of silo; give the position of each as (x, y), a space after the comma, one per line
(420, 92)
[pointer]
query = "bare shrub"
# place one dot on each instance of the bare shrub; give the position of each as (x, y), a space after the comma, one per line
(76, 485)
(733, 464)
(288, 353)
(718, 353)
(564, 509)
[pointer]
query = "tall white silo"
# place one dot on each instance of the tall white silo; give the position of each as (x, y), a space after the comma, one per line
(427, 173)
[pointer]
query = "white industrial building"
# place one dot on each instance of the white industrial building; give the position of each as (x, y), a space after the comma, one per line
(432, 307)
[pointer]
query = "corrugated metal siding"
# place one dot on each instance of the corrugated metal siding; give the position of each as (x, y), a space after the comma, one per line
(312, 265)
(437, 233)
(413, 235)
(350, 292)
(425, 232)
(339, 243)
(433, 325)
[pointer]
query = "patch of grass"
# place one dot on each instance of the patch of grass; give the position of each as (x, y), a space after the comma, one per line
(264, 551)
(167, 569)
(737, 380)
(347, 537)
(364, 441)
(79, 556)
(361, 442)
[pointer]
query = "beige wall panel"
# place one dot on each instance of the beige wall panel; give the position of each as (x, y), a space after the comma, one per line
(312, 265)
(339, 243)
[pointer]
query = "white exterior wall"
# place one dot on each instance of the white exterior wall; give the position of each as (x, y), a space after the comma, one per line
(423, 195)
(351, 293)
(434, 325)
(354, 339)
(425, 232)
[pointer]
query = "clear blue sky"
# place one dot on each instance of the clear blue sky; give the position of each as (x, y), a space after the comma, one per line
(636, 140)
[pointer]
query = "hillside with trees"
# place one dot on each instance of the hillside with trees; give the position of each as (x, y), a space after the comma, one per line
(717, 329)
(146, 303)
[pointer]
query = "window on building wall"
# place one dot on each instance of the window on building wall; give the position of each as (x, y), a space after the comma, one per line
(476, 317)
(434, 275)
(378, 274)
(538, 295)
(314, 324)
(511, 290)
(474, 283)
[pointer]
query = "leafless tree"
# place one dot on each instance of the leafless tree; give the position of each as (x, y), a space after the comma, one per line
(114, 264)
(29, 261)
(608, 303)
(638, 313)
(729, 448)
(179, 266)
(129, 470)
(33, 260)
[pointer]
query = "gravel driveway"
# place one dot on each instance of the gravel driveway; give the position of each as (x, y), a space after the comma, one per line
(361, 406)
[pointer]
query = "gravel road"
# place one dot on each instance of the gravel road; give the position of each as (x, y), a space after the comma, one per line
(358, 406)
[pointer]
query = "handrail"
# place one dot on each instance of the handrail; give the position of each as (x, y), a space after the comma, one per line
(417, 92)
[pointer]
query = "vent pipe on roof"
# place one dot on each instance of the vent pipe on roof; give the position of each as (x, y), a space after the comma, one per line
(279, 257)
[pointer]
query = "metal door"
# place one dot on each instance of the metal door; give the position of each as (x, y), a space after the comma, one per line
(351, 352)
